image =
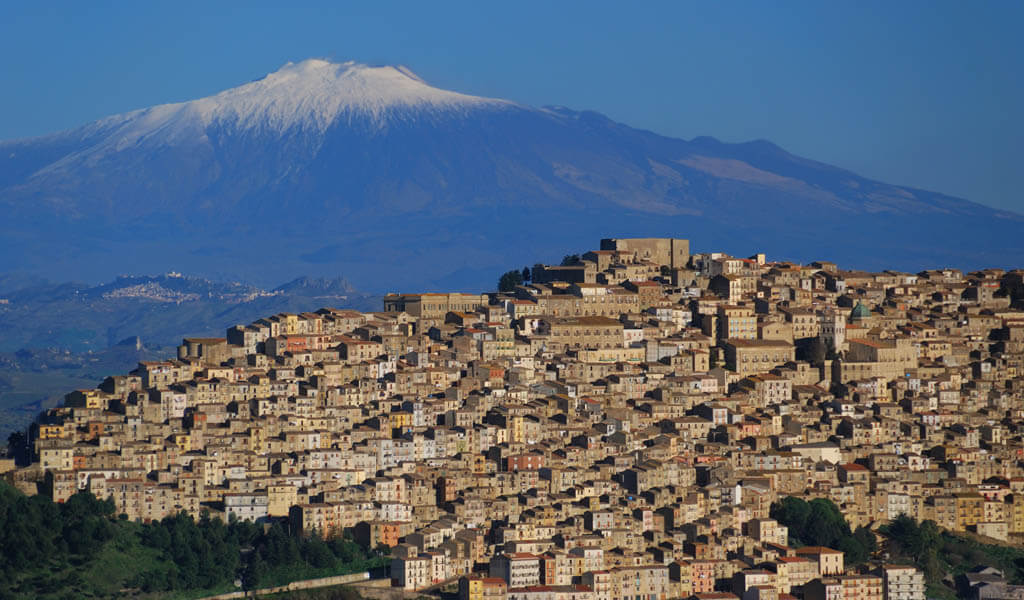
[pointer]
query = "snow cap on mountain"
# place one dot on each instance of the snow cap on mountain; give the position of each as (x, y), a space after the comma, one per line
(308, 96)
(314, 92)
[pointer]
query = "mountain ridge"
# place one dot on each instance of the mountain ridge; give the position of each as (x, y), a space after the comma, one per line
(82, 317)
(371, 172)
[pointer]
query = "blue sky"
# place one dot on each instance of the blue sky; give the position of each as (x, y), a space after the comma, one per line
(926, 94)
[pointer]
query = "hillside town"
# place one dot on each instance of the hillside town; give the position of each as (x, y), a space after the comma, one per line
(614, 427)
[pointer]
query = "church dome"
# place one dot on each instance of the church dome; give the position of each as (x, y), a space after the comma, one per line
(860, 311)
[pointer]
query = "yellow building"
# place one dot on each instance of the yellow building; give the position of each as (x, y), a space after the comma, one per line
(433, 306)
(85, 399)
(970, 510)
(583, 332)
(748, 357)
(861, 587)
(280, 498)
(183, 441)
(477, 587)
(830, 562)
(736, 322)
(611, 355)
(867, 358)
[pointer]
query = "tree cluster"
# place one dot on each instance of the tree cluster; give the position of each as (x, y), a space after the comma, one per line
(49, 548)
(1012, 285)
(941, 553)
(200, 555)
(509, 280)
(208, 553)
(820, 523)
(918, 541)
(35, 532)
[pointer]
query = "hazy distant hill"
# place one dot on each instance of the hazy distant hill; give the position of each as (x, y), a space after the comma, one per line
(327, 168)
(58, 337)
(157, 309)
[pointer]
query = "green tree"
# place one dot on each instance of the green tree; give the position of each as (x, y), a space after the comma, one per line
(570, 259)
(918, 541)
(793, 513)
(48, 549)
(18, 448)
(347, 550)
(255, 571)
(825, 525)
(279, 548)
(820, 523)
(317, 553)
(509, 281)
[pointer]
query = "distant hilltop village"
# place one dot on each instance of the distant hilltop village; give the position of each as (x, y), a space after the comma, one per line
(617, 427)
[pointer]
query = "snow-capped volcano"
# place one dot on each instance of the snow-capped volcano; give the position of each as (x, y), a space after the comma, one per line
(311, 96)
(299, 98)
(328, 168)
